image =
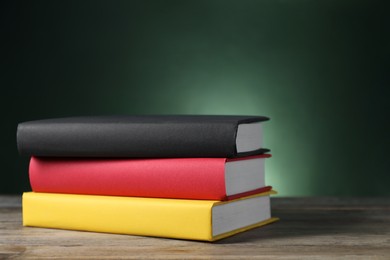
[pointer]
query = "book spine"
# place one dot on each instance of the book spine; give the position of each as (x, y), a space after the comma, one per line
(188, 178)
(184, 219)
(128, 140)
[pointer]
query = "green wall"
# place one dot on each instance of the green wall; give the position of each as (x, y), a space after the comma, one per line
(319, 69)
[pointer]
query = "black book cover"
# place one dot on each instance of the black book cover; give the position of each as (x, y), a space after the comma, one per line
(134, 136)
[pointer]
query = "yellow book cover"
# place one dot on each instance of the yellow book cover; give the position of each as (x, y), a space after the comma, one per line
(207, 220)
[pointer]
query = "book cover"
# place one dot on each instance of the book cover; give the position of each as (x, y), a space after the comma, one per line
(182, 136)
(214, 178)
(206, 220)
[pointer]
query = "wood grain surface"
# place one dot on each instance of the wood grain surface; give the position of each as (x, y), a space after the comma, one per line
(310, 228)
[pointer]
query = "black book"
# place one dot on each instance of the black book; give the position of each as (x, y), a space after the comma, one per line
(143, 136)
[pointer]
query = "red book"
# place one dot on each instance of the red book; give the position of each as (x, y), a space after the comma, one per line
(186, 178)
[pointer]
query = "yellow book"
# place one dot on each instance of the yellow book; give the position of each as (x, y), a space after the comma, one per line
(173, 218)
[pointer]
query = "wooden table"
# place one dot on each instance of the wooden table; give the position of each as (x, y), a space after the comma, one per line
(310, 228)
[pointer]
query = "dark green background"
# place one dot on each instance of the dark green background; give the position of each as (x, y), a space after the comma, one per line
(319, 69)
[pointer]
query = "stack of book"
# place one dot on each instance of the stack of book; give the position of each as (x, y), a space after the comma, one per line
(184, 177)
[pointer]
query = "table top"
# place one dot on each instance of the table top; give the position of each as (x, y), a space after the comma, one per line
(352, 228)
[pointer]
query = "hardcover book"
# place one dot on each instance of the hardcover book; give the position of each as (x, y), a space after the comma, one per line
(187, 178)
(143, 136)
(207, 220)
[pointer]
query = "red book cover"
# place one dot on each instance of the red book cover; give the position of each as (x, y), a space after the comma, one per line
(187, 178)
